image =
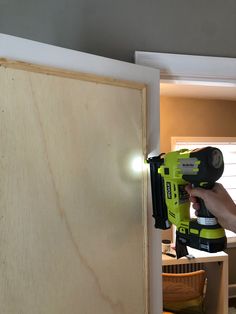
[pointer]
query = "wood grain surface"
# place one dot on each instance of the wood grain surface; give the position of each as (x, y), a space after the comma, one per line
(72, 209)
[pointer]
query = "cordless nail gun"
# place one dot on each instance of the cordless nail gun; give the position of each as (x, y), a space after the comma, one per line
(170, 173)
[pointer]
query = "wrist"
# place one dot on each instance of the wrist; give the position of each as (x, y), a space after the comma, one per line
(230, 218)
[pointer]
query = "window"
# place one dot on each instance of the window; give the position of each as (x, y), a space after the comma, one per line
(228, 147)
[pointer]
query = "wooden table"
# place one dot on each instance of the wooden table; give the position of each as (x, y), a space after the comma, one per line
(216, 266)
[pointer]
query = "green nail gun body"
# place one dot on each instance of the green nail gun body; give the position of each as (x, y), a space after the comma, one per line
(170, 173)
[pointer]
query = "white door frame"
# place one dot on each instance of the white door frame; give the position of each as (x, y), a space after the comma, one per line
(196, 70)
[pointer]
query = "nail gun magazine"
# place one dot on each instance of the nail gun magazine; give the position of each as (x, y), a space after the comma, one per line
(170, 173)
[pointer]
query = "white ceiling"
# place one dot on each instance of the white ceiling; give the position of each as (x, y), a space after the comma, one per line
(189, 90)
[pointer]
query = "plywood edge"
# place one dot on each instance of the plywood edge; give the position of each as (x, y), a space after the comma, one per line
(25, 66)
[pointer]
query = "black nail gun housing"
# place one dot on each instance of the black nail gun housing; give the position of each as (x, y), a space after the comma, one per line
(158, 195)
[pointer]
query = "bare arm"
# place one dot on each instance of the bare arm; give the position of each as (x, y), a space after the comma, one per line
(218, 202)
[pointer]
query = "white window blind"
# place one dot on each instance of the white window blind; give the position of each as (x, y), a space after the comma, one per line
(228, 148)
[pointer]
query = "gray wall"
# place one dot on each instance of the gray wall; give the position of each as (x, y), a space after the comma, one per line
(116, 28)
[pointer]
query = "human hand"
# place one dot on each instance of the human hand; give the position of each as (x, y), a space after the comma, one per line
(218, 202)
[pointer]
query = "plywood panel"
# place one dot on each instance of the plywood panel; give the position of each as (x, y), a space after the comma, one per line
(72, 209)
